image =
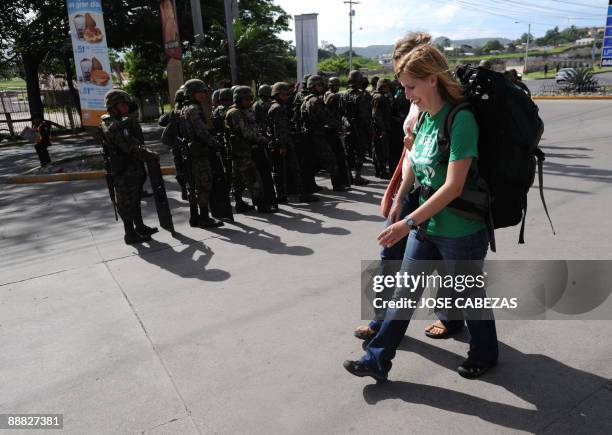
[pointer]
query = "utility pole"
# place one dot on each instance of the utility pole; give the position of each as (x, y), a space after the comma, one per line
(527, 49)
(351, 15)
(229, 18)
(196, 16)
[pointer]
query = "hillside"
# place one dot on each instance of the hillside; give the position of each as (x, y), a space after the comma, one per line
(377, 50)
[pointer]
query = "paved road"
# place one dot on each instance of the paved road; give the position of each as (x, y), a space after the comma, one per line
(244, 330)
(536, 85)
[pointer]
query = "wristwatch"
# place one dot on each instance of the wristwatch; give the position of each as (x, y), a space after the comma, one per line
(410, 223)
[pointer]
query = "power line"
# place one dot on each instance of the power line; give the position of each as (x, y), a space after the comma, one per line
(472, 7)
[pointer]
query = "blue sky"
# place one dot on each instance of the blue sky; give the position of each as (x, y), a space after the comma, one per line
(384, 21)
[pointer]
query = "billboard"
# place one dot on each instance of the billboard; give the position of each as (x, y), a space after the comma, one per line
(93, 70)
(306, 47)
(170, 34)
(606, 49)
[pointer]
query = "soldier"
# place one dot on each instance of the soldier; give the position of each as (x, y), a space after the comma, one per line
(215, 99)
(201, 144)
(335, 130)
(171, 137)
(221, 132)
(381, 115)
(357, 113)
(374, 82)
(364, 87)
(283, 150)
(248, 148)
(262, 106)
(315, 119)
(125, 142)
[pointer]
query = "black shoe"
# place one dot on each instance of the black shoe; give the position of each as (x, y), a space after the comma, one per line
(184, 195)
(264, 209)
(208, 222)
(341, 188)
(361, 370)
(317, 188)
(471, 369)
(146, 231)
(282, 200)
(243, 207)
(307, 197)
(360, 181)
(131, 239)
(146, 194)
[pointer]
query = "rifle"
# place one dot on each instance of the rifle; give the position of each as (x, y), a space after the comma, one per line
(110, 182)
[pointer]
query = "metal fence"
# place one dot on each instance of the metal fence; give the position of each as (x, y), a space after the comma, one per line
(15, 111)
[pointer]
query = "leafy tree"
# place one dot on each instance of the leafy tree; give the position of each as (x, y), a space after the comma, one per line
(492, 44)
(339, 64)
(146, 72)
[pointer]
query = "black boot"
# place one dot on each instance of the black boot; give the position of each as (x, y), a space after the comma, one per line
(193, 215)
(205, 221)
(141, 228)
(308, 197)
(358, 180)
(131, 236)
(184, 195)
(241, 206)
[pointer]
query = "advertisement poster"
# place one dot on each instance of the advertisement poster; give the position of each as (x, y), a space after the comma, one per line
(172, 41)
(93, 69)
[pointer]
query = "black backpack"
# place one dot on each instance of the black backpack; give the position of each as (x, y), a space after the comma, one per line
(510, 130)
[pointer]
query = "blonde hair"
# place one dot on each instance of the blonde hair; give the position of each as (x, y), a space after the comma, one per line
(408, 43)
(426, 60)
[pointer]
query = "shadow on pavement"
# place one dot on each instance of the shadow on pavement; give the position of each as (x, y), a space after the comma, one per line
(550, 386)
(186, 263)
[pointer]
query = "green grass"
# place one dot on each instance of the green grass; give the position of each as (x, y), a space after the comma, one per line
(518, 54)
(13, 83)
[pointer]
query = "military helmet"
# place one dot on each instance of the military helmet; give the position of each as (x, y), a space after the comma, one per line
(383, 82)
(215, 96)
(225, 94)
(179, 95)
(279, 87)
(333, 81)
(315, 80)
(233, 88)
(116, 96)
(265, 91)
(355, 77)
(194, 86)
(486, 64)
(241, 92)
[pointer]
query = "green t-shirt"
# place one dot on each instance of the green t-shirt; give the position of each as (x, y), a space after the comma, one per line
(425, 161)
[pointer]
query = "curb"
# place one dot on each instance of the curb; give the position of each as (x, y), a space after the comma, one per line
(68, 176)
(561, 97)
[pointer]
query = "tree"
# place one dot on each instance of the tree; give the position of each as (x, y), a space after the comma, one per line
(492, 45)
(146, 72)
(261, 55)
(511, 47)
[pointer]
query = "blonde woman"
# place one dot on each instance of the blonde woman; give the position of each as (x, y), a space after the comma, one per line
(444, 236)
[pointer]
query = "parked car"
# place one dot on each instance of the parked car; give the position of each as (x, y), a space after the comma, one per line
(564, 74)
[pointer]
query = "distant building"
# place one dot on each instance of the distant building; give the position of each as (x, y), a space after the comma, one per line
(585, 41)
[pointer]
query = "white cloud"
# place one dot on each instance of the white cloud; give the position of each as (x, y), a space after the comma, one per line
(447, 13)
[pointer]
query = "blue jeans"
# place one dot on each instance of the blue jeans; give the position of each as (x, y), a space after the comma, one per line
(392, 253)
(483, 336)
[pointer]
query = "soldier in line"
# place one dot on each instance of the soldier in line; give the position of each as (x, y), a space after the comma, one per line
(221, 132)
(262, 106)
(283, 150)
(201, 145)
(303, 148)
(171, 137)
(374, 83)
(125, 142)
(381, 115)
(215, 99)
(357, 113)
(245, 142)
(315, 119)
(368, 96)
(335, 130)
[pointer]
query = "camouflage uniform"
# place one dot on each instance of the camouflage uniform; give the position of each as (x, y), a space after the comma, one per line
(172, 138)
(381, 115)
(200, 139)
(302, 147)
(244, 137)
(220, 129)
(128, 153)
(335, 130)
(285, 166)
(262, 106)
(315, 118)
(357, 113)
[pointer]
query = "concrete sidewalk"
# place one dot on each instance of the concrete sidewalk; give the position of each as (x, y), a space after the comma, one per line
(244, 329)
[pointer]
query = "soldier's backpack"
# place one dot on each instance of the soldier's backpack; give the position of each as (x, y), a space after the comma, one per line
(510, 130)
(170, 121)
(350, 104)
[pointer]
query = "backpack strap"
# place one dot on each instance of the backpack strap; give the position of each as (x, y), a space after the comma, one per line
(445, 132)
